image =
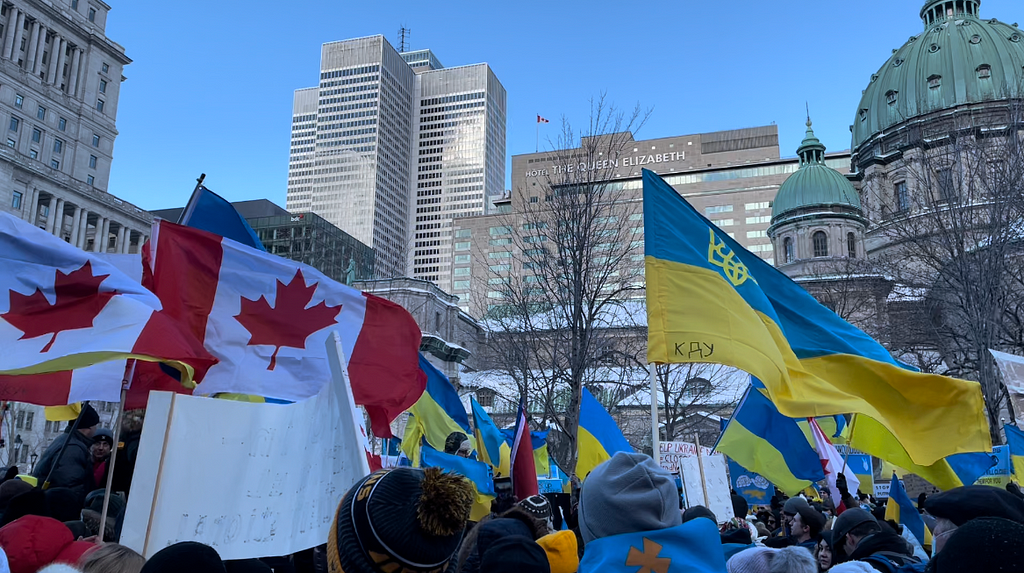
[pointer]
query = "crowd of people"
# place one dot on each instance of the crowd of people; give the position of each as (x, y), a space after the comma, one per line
(626, 516)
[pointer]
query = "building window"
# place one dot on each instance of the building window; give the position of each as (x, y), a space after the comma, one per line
(95, 140)
(90, 180)
(462, 246)
(62, 124)
(984, 72)
(18, 101)
(820, 240)
(99, 105)
(92, 162)
(16, 200)
(461, 259)
(485, 397)
(92, 14)
(891, 96)
(41, 113)
(723, 222)
(37, 135)
(55, 164)
(21, 420)
(106, 68)
(14, 124)
(103, 86)
(717, 209)
(787, 250)
(58, 145)
(759, 220)
(947, 187)
(29, 418)
(74, 4)
(851, 245)
(534, 199)
(33, 153)
(463, 233)
(11, 143)
(902, 197)
(462, 272)
(934, 81)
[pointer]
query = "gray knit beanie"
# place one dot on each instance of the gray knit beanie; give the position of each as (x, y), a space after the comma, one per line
(766, 560)
(627, 494)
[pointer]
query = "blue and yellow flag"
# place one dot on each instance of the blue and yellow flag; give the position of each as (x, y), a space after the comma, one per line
(539, 443)
(902, 511)
(489, 439)
(693, 547)
(437, 414)
(478, 473)
(598, 437)
(710, 300)
(1015, 441)
(952, 471)
(763, 441)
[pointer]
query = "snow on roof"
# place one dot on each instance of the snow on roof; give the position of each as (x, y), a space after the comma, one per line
(904, 293)
(615, 314)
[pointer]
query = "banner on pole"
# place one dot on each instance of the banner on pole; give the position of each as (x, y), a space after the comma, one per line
(275, 473)
(715, 480)
(750, 486)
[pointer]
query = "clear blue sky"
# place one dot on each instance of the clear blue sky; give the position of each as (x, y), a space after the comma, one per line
(210, 88)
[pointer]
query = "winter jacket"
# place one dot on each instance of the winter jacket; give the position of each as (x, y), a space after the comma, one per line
(33, 542)
(124, 465)
(888, 545)
(74, 471)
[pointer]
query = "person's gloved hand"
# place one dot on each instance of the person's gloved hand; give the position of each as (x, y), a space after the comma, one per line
(841, 485)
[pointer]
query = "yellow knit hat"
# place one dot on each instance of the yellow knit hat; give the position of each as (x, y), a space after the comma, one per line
(561, 548)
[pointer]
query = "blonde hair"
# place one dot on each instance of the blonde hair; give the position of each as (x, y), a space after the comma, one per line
(112, 558)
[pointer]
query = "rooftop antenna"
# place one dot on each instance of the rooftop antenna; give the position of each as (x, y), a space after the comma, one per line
(403, 34)
(808, 105)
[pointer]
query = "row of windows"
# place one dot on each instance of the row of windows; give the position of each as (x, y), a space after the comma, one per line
(819, 244)
(349, 72)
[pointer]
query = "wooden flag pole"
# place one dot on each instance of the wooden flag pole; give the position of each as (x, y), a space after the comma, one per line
(113, 452)
(655, 433)
(700, 466)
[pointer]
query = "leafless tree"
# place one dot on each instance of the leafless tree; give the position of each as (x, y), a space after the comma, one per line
(952, 223)
(574, 263)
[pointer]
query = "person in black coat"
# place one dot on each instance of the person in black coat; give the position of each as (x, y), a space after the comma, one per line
(74, 469)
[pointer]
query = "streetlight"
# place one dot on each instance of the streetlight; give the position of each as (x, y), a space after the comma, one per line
(33, 459)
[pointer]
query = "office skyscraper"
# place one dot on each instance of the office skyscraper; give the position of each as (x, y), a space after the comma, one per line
(392, 147)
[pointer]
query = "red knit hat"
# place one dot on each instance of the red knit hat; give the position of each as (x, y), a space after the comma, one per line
(33, 542)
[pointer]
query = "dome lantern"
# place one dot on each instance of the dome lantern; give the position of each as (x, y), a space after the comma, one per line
(814, 185)
(938, 10)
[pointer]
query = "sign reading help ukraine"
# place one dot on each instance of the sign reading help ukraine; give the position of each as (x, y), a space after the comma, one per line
(750, 486)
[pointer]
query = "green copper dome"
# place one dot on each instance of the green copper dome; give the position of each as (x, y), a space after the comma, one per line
(958, 59)
(814, 184)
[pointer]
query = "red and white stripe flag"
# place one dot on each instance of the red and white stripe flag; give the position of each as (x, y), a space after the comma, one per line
(64, 310)
(832, 463)
(541, 119)
(524, 470)
(266, 319)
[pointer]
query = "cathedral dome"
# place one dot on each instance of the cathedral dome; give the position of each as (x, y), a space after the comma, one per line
(958, 59)
(814, 184)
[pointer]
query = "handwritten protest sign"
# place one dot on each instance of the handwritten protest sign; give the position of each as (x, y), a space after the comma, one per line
(250, 480)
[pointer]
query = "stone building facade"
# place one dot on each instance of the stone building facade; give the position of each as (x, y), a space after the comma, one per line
(60, 79)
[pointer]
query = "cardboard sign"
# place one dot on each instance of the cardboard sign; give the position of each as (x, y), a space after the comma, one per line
(250, 480)
(670, 454)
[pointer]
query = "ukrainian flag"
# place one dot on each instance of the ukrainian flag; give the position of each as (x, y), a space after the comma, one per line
(490, 441)
(956, 470)
(709, 300)
(437, 414)
(478, 473)
(598, 437)
(902, 511)
(1015, 441)
(763, 441)
(693, 547)
(833, 426)
(539, 443)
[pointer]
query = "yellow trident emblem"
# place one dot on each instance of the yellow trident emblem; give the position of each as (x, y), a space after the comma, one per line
(722, 256)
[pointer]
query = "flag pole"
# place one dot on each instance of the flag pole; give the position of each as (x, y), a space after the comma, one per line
(537, 149)
(113, 453)
(700, 466)
(652, 370)
(186, 213)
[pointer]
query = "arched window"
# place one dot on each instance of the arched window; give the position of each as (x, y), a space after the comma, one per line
(787, 250)
(820, 240)
(851, 245)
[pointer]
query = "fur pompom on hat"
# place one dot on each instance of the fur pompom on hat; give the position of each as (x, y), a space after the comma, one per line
(406, 518)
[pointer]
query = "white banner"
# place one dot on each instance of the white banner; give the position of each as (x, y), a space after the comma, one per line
(715, 481)
(1012, 369)
(250, 480)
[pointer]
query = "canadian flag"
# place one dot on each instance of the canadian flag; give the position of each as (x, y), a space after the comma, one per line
(62, 309)
(541, 119)
(266, 319)
(832, 463)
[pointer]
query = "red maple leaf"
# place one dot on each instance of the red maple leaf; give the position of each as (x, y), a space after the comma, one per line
(288, 322)
(78, 302)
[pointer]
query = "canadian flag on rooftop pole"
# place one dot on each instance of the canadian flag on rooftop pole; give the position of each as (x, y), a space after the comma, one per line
(832, 463)
(266, 319)
(66, 315)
